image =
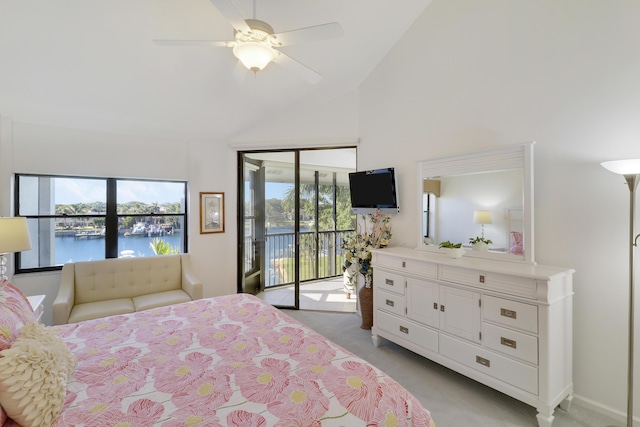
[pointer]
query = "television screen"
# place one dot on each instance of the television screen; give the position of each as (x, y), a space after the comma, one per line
(374, 189)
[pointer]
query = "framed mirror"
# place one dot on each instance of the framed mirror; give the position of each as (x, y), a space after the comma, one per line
(482, 197)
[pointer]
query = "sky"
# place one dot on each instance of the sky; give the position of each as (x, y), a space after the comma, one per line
(275, 190)
(70, 190)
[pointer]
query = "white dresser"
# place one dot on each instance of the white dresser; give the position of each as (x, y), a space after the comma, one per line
(505, 324)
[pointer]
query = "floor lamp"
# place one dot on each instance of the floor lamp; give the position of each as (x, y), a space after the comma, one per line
(631, 170)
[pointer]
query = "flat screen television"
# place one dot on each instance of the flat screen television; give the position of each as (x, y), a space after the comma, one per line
(372, 190)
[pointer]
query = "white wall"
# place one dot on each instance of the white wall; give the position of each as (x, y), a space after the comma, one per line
(471, 75)
(206, 165)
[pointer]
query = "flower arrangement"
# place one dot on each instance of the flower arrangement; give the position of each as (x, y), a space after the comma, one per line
(357, 248)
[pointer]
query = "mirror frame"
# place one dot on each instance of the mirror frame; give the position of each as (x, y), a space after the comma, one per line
(498, 159)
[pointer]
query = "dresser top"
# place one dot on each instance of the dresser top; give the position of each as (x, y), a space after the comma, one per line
(534, 271)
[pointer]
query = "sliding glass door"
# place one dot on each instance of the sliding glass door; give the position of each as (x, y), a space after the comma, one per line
(290, 202)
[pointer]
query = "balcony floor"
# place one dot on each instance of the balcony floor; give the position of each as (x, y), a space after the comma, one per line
(322, 295)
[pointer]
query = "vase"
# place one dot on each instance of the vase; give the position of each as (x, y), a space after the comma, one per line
(480, 246)
(365, 299)
(455, 252)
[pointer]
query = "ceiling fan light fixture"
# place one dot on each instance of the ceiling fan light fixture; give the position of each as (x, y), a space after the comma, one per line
(254, 55)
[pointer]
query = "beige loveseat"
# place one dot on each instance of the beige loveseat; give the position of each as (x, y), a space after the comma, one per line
(92, 289)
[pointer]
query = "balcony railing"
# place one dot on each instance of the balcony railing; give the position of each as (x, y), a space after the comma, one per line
(318, 259)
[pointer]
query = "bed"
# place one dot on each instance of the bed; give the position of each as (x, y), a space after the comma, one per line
(223, 361)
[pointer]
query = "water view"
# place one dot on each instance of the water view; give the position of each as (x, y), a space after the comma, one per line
(70, 249)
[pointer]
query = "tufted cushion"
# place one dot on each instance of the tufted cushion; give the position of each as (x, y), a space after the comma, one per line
(126, 277)
(33, 376)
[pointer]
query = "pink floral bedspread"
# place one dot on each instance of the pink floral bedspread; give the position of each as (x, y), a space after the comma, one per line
(224, 361)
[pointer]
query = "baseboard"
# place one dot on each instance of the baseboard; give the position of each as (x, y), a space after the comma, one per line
(605, 410)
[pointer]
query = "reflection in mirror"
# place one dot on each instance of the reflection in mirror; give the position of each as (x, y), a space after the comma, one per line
(480, 197)
(491, 196)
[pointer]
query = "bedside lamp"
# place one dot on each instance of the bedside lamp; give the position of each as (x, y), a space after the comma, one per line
(482, 218)
(630, 169)
(14, 237)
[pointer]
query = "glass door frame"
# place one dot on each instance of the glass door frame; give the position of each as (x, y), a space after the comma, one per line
(296, 224)
(243, 156)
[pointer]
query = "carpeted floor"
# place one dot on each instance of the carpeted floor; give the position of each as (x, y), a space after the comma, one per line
(453, 399)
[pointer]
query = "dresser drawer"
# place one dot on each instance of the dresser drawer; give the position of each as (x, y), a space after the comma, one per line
(510, 342)
(511, 313)
(507, 370)
(514, 285)
(390, 302)
(388, 281)
(463, 276)
(425, 269)
(416, 334)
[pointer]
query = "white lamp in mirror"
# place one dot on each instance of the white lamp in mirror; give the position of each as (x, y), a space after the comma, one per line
(482, 218)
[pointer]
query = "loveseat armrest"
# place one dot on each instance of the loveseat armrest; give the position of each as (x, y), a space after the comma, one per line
(190, 283)
(65, 299)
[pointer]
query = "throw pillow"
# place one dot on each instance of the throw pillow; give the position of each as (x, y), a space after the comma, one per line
(15, 312)
(33, 376)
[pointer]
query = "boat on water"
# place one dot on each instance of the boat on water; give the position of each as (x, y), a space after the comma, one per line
(155, 230)
(144, 230)
(139, 229)
(90, 234)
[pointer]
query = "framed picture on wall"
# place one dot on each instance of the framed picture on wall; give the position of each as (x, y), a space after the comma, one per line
(211, 213)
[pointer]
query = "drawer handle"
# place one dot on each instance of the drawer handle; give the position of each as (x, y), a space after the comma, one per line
(390, 303)
(481, 278)
(507, 342)
(435, 305)
(483, 361)
(388, 282)
(404, 264)
(508, 313)
(404, 329)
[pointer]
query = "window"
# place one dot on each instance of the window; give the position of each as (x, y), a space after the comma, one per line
(80, 219)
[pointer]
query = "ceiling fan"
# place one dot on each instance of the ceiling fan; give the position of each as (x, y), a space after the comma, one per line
(256, 44)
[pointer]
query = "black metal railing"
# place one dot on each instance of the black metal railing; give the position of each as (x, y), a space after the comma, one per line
(320, 257)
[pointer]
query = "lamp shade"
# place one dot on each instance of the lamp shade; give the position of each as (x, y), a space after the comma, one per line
(431, 186)
(14, 235)
(623, 167)
(481, 217)
(254, 55)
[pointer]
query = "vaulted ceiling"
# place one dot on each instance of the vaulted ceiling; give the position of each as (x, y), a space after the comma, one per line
(89, 64)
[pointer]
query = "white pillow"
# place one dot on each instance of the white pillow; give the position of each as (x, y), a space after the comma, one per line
(33, 376)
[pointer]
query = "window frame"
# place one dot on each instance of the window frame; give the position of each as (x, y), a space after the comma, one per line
(110, 216)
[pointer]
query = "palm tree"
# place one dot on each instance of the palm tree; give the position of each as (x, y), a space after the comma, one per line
(160, 247)
(344, 219)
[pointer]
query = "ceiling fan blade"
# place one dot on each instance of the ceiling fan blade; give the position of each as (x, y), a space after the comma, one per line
(305, 72)
(191, 43)
(308, 34)
(231, 14)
